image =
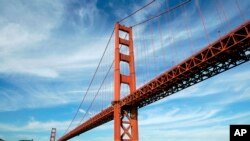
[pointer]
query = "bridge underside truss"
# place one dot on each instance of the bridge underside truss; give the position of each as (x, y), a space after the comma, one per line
(227, 52)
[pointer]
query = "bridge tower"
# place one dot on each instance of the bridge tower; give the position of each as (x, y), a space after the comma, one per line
(53, 134)
(125, 119)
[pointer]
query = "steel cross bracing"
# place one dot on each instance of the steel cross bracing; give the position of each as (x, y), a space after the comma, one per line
(227, 52)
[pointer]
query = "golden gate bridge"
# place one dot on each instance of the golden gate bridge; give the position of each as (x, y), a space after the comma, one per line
(219, 55)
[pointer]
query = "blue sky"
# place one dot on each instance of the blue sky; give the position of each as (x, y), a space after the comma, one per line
(49, 51)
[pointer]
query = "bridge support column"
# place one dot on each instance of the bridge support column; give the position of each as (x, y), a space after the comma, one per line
(53, 134)
(125, 118)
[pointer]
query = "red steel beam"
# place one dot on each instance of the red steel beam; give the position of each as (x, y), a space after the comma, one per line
(227, 52)
(217, 55)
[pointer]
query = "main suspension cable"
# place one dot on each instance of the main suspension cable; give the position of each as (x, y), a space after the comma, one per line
(164, 12)
(136, 11)
(96, 70)
(92, 79)
(87, 111)
(106, 75)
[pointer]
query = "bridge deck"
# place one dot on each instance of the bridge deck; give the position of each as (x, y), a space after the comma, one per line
(227, 52)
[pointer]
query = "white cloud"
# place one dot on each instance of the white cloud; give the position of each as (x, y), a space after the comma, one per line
(35, 126)
(19, 30)
(175, 118)
(188, 121)
(28, 30)
(13, 101)
(219, 133)
(33, 129)
(188, 118)
(89, 14)
(14, 34)
(82, 111)
(51, 66)
(23, 27)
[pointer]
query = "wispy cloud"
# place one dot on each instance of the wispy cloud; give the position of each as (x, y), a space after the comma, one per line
(50, 66)
(34, 126)
(187, 134)
(33, 129)
(182, 122)
(189, 118)
(49, 51)
(31, 47)
(21, 30)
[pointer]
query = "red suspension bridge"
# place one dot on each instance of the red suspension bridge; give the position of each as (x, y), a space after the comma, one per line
(222, 54)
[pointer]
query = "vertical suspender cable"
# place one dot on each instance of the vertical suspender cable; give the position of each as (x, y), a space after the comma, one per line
(92, 79)
(188, 29)
(153, 50)
(160, 33)
(224, 13)
(202, 20)
(240, 11)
